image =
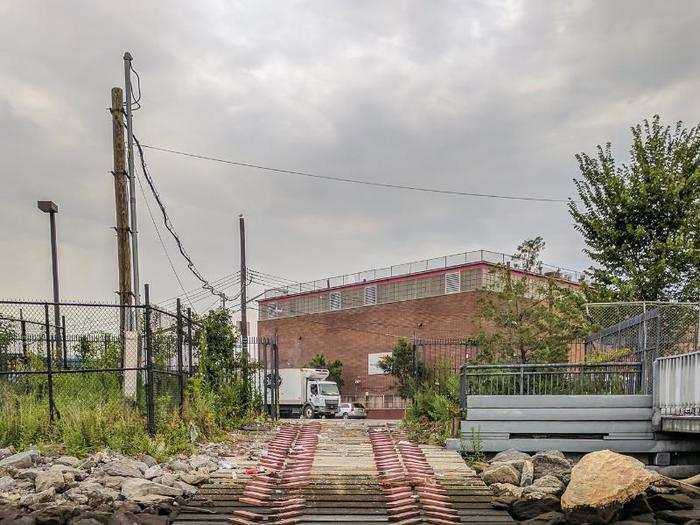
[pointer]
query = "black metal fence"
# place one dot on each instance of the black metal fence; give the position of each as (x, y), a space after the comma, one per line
(448, 354)
(551, 379)
(92, 352)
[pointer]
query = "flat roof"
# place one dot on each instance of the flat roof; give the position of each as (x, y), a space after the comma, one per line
(422, 267)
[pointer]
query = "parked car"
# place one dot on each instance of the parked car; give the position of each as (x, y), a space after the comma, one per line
(351, 410)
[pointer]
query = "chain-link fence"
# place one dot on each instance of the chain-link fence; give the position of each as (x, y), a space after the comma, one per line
(642, 332)
(90, 357)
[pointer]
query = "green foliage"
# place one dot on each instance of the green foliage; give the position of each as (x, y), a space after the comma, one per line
(641, 221)
(613, 355)
(221, 379)
(218, 364)
(402, 364)
(335, 368)
(529, 319)
(434, 394)
(472, 451)
(93, 415)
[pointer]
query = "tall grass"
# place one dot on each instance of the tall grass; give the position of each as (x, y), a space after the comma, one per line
(93, 415)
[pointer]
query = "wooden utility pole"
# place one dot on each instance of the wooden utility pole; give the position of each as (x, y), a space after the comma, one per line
(244, 321)
(122, 207)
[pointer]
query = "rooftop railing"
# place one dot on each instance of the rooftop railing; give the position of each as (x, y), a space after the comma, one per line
(437, 263)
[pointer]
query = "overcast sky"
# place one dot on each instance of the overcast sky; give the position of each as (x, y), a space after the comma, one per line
(491, 97)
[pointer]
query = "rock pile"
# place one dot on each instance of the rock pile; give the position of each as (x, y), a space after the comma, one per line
(101, 488)
(602, 487)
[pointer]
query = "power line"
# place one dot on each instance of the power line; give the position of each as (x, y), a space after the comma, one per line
(224, 282)
(354, 181)
(276, 277)
(162, 243)
(168, 225)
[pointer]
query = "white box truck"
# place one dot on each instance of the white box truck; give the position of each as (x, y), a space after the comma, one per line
(306, 392)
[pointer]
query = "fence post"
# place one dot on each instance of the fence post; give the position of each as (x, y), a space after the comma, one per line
(645, 363)
(462, 391)
(23, 331)
(180, 372)
(189, 341)
(276, 390)
(49, 372)
(150, 401)
(522, 379)
(65, 346)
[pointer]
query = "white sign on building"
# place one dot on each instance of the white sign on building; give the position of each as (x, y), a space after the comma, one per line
(373, 363)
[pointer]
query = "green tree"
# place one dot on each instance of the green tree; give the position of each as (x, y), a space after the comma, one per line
(218, 364)
(409, 372)
(641, 221)
(528, 319)
(335, 368)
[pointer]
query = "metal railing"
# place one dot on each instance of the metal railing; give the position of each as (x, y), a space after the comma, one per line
(423, 265)
(677, 385)
(550, 379)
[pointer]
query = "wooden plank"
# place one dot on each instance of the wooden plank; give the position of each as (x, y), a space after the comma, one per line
(612, 401)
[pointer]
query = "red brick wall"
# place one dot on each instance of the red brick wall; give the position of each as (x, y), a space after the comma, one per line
(350, 335)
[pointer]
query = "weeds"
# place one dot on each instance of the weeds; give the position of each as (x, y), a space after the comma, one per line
(474, 451)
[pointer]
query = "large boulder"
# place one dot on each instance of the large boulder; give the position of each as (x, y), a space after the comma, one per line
(527, 473)
(508, 455)
(70, 461)
(601, 483)
(20, 460)
(534, 504)
(506, 489)
(549, 518)
(547, 485)
(499, 473)
(194, 477)
(203, 462)
(670, 502)
(49, 479)
(678, 516)
(547, 463)
(120, 468)
(517, 464)
(7, 484)
(141, 489)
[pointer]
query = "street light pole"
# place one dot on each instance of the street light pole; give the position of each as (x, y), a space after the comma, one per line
(51, 208)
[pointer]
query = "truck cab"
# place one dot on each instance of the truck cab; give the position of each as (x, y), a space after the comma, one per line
(323, 398)
(307, 392)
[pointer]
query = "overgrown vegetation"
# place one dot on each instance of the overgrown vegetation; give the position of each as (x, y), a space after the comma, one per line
(527, 319)
(94, 414)
(434, 394)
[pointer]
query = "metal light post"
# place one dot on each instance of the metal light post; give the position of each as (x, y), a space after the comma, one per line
(51, 208)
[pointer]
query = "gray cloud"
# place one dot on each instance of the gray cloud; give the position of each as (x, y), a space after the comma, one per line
(481, 96)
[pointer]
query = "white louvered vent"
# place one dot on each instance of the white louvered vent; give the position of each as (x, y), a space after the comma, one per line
(335, 300)
(452, 282)
(370, 295)
(271, 311)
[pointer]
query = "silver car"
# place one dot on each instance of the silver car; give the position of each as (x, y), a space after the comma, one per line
(351, 410)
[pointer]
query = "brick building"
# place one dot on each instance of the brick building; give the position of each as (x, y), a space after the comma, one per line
(358, 318)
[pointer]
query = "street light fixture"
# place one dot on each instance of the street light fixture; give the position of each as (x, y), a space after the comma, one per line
(51, 208)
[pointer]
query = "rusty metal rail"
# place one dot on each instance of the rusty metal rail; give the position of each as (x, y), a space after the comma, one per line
(329, 472)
